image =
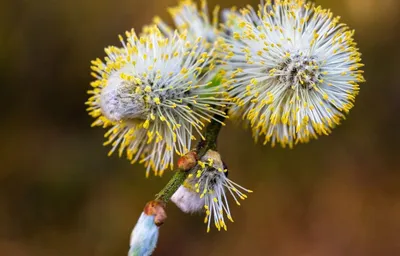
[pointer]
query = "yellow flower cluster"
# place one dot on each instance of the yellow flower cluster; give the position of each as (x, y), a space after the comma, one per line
(293, 70)
(152, 95)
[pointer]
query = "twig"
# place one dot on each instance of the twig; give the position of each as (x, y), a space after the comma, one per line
(210, 142)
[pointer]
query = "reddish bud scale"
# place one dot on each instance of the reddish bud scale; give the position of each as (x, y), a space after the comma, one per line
(187, 161)
(157, 209)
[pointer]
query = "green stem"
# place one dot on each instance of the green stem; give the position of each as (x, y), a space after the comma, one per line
(173, 184)
(210, 135)
(210, 142)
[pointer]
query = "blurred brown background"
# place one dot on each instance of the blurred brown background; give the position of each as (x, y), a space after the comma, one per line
(61, 195)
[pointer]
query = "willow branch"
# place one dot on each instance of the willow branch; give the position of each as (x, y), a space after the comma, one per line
(210, 142)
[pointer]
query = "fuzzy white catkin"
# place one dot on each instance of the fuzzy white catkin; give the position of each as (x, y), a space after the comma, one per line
(206, 189)
(187, 200)
(293, 70)
(187, 15)
(144, 236)
(154, 95)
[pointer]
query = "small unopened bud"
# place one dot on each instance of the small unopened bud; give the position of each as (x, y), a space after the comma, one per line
(187, 161)
(156, 209)
(144, 236)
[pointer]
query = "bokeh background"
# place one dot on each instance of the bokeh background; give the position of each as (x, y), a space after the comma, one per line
(61, 195)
